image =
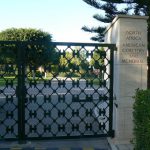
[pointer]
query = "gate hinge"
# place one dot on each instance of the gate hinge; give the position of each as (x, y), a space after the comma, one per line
(112, 133)
(148, 60)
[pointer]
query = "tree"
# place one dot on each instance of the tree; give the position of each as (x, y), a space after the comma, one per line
(37, 54)
(74, 62)
(38, 49)
(97, 62)
(111, 9)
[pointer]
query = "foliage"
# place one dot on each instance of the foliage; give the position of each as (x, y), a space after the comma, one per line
(74, 61)
(111, 8)
(38, 53)
(142, 120)
(23, 34)
(98, 58)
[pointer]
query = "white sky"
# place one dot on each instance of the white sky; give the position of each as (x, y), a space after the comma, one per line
(62, 18)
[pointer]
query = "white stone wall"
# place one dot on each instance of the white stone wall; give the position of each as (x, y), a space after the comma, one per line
(129, 33)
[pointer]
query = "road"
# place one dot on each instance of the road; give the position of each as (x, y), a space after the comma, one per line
(55, 110)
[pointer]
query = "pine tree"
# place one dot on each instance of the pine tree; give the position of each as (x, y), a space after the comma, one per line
(111, 9)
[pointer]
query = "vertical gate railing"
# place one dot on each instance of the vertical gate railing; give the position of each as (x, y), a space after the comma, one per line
(111, 93)
(21, 92)
(74, 98)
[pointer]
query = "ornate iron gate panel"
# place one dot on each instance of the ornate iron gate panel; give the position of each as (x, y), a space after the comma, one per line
(69, 95)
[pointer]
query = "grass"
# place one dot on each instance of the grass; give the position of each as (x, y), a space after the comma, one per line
(10, 79)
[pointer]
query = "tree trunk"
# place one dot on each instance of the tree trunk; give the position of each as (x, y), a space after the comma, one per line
(45, 75)
(33, 74)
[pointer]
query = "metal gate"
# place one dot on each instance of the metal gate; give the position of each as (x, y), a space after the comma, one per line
(65, 92)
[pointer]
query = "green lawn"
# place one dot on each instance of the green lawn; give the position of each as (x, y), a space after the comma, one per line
(7, 79)
(40, 80)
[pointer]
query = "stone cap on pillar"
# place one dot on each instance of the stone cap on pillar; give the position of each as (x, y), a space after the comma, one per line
(125, 16)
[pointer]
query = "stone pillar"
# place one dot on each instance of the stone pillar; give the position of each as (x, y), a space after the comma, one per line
(129, 33)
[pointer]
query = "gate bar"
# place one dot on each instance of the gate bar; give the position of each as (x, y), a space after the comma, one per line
(21, 93)
(111, 131)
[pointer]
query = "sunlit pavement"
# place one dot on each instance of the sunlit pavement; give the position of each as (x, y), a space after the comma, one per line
(71, 144)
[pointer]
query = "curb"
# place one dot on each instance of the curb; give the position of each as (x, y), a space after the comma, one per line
(38, 148)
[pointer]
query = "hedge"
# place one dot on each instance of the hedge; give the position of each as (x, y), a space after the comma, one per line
(141, 115)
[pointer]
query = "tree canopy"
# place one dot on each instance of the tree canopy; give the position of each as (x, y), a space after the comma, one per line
(74, 61)
(110, 9)
(38, 53)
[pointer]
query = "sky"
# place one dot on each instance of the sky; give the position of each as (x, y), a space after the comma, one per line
(61, 18)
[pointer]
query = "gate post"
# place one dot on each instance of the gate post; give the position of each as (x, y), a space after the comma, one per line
(129, 33)
(21, 92)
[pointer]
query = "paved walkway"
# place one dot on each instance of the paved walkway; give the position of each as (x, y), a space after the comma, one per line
(124, 147)
(29, 148)
(79, 144)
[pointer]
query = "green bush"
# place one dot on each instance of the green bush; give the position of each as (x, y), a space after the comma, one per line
(39, 74)
(141, 115)
(72, 75)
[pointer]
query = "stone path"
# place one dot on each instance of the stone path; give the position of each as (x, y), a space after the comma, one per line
(74, 144)
(28, 148)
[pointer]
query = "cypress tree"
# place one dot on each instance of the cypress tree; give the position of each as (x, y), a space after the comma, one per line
(111, 8)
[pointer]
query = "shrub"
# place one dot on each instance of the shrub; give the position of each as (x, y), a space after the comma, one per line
(39, 74)
(141, 115)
